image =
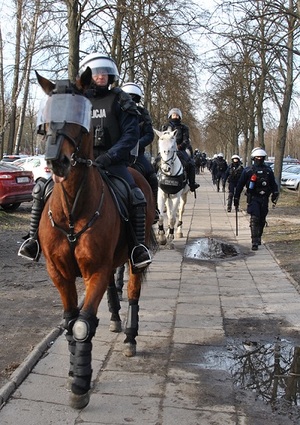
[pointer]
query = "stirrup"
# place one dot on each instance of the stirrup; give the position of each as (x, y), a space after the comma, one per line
(140, 266)
(30, 255)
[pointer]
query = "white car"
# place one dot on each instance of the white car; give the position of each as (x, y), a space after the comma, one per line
(37, 164)
(291, 178)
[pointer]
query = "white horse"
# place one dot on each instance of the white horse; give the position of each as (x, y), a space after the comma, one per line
(172, 186)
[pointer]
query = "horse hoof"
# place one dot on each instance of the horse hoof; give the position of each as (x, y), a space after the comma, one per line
(115, 326)
(129, 350)
(79, 401)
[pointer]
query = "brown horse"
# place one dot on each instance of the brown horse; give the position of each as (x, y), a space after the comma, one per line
(82, 232)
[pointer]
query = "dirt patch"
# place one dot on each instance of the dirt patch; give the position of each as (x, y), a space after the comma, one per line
(30, 305)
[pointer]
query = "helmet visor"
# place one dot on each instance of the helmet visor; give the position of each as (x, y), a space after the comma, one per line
(68, 108)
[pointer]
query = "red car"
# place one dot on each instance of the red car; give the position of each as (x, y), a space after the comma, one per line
(15, 186)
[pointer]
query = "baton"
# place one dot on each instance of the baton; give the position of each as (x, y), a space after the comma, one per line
(236, 221)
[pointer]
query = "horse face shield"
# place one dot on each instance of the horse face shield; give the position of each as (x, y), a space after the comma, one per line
(59, 110)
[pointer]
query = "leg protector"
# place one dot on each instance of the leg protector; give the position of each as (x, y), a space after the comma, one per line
(30, 249)
(229, 201)
(70, 319)
(119, 275)
(153, 182)
(113, 299)
(191, 173)
(140, 255)
(132, 324)
(83, 331)
(255, 231)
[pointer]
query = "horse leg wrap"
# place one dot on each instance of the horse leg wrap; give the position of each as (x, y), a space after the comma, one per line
(85, 327)
(132, 324)
(70, 318)
(120, 277)
(83, 331)
(161, 228)
(113, 299)
(82, 368)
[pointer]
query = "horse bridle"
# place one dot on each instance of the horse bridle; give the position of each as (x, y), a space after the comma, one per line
(170, 162)
(58, 132)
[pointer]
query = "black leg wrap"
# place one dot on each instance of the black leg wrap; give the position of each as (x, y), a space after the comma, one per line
(70, 318)
(82, 368)
(138, 221)
(120, 277)
(132, 324)
(113, 299)
(84, 329)
(255, 229)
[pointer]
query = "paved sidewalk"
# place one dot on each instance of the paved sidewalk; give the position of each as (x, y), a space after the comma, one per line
(215, 345)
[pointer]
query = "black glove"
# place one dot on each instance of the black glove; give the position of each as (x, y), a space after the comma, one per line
(274, 197)
(236, 202)
(103, 161)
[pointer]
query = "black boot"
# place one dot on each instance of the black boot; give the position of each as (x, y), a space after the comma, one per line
(229, 201)
(140, 256)
(30, 248)
(261, 229)
(153, 182)
(255, 232)
(191, 172)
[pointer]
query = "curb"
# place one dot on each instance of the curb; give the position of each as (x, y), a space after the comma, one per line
(18, 376)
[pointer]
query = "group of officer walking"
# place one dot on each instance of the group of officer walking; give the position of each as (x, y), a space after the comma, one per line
(260, 184)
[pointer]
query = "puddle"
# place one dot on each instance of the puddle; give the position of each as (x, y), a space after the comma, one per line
(209, 249)
(272, 371)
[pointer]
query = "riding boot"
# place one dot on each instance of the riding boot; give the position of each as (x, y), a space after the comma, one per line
(153, 182)
(191, 172)
(30, 248)
(140, 256)
(229, 201)
(119, 276)
(255, 232)
(261, 229)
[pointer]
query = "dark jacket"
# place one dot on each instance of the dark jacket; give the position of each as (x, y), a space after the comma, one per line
(264, 185)
(115, 116)
(182, 136)
(146, 135)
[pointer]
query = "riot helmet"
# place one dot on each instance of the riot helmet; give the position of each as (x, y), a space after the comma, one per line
(100, 64)
(134, 91)
(220, 155)
(235, 158)
(258, 155)
(175, 111)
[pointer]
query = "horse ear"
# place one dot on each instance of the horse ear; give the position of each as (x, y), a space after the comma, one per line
(84, 81)
(46, 85)
(159, 133)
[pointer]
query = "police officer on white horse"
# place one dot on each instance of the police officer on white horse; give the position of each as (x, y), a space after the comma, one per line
(183, 144)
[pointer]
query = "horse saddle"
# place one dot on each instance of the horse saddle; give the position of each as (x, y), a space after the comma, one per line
(120, 191)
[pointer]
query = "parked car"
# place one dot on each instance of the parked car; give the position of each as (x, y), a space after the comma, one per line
(37, 164)
(12, 158)
(291, 177)
(16, 186)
